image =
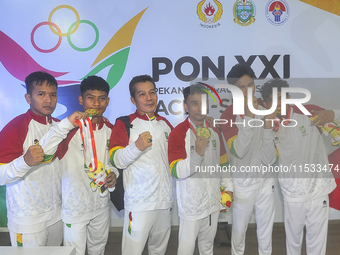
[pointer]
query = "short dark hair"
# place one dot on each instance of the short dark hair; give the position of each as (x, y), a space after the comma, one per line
(137, 79)
(39, 77)
(239, 70)
(267, 88)
(94, 82)
(193, 89)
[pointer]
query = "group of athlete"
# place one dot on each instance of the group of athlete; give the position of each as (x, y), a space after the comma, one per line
(45, 165)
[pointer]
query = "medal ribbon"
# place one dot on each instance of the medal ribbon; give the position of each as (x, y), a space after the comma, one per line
(278, 119)
(87, 136)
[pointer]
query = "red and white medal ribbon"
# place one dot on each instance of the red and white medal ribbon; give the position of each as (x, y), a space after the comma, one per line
(87, 136)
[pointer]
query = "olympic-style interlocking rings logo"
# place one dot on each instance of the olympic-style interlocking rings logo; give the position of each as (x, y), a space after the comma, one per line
(72, 29)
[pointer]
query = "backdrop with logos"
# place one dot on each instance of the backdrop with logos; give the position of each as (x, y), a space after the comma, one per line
(176, 42)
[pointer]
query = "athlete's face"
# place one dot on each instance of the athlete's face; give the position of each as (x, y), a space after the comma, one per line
(95, 99)
(193, 106)
(42, 99)
(145, 98)
(243, 83)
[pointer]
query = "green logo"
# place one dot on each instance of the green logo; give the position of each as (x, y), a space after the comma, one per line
(214, 143)
(302, 129)
(166, 135)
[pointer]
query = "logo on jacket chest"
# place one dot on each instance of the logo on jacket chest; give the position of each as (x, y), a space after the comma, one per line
(303, 130)
(214, 144)
(324, 203)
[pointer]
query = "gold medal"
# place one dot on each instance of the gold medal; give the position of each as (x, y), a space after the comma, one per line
(203, 131)
(92, 112)
(277, 112)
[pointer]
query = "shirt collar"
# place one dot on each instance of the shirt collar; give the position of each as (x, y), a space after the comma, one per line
(146, 117)
(41, 119)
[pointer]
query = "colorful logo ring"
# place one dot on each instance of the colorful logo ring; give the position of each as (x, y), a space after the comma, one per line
(67, 7)
(39, 25)
(69, 32)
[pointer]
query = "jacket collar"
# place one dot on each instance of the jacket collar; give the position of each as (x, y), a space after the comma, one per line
(146, 117)
(98, 126)
(41, 119)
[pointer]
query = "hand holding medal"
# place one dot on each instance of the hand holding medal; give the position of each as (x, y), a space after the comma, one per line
(76, 116)
(278, 118)
(86, 133)
(277, 112)
(203, 134)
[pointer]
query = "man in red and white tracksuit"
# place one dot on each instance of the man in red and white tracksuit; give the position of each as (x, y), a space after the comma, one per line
(32, 179)
(250, 146)
(306, 186)
(147, 181)
(85, 212)
(198, 190)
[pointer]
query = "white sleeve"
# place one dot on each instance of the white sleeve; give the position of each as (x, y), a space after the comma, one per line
(244, 137)
(113, 169)
(50, 141)
(125, 157)
(13, 171)
(186, 167)
(227, 184)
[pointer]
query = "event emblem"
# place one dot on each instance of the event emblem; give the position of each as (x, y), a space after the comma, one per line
(277, 12)
(71, 30)
(209, 11)
(244, 12)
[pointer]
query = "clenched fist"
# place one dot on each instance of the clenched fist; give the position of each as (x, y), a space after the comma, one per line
(201, 143)
(144, 141)
(34, 155)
